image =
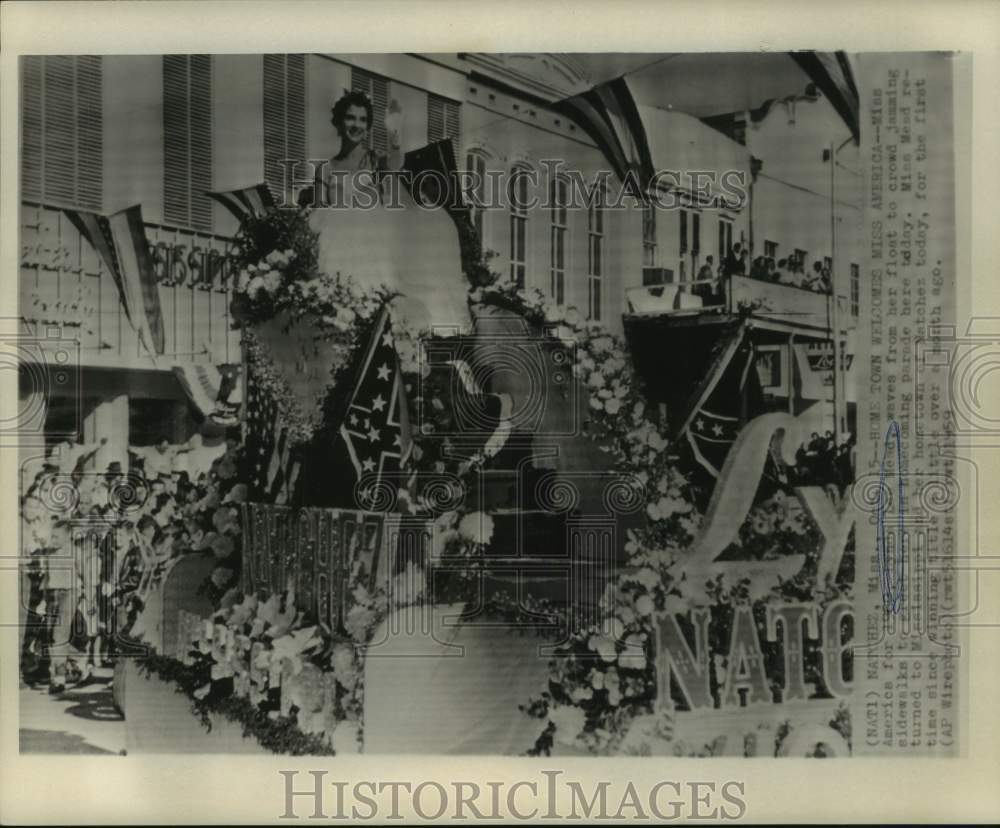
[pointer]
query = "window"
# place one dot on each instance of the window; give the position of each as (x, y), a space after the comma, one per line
(443, 119)
(595, 254)
(62, 130)
(518, 194)
(475, 166)
(801, 257)
(377, 89)
(770, 249)
(771, 365)
(649, 235)
(725, 238)
(855, 289)
(657, 276)
(560, 233)
(690, 241)
(828, 264)
(284, 118)
(187, 140)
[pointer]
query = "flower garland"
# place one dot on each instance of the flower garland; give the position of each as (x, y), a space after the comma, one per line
(603, 680)
(603, 677)
(279, 281)
(602, 684)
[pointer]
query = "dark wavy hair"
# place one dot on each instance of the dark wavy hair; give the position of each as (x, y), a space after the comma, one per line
(347, 100)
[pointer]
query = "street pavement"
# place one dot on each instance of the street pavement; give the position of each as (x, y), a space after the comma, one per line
(82, 719)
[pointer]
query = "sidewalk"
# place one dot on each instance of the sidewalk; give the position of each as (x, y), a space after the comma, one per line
(80, 720)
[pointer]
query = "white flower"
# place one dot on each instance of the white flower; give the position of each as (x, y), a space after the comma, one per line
(572, 317)
(569, 722)
(613, 406)
(647, 577)
(477, 527)
(604, 646)
(346, 316)
(344, 667)
(644, 605)
(222, 546)
(242, 281)
(255, 286)
(272, 281)
(601, 344)
(359, 619)
(408, 586)
(656, 442)
(596, 380)
(596, 404)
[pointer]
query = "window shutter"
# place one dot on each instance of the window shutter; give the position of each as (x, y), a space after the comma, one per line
(201, 141)
(435, 119)
(62, 130)
(187, 131)
(284, 116)
(377, 89)
(32, 109)
(443, 119)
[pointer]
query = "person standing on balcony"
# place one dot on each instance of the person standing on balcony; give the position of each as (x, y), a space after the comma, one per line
(732, 263)
(707, 270)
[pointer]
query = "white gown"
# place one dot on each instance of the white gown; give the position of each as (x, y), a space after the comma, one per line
(409, 249)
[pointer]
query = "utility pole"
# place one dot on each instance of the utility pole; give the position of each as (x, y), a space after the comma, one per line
(839, 394)
(834, 309)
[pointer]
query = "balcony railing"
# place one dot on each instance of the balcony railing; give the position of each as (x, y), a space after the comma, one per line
(64, 284)
(766, 300)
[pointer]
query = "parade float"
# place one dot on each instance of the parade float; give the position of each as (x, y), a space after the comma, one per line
(460, 523)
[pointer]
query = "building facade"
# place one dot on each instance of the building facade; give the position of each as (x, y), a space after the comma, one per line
(102, 133)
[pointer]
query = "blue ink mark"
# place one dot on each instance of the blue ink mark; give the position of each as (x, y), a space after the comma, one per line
(892, 599)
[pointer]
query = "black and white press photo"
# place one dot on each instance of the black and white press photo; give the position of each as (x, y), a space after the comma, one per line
(543, 405)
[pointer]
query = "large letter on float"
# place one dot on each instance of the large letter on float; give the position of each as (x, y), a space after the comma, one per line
(746, 662)
(834, 647)
(691, 670)
(739, 478)
(793, 644)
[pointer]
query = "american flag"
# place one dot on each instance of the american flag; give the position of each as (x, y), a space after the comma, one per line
(272, 462)
(376, 427)
(256, 200)
(120, 241)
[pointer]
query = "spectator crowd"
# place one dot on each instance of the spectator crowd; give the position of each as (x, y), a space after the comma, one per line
(821, 462)
(95, 543)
